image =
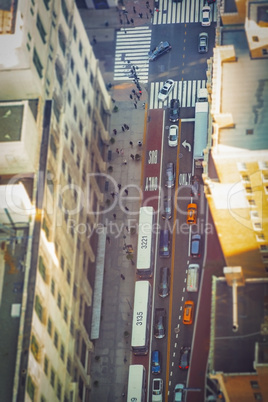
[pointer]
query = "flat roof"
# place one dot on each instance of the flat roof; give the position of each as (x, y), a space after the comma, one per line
(234, 352)
(245, 96)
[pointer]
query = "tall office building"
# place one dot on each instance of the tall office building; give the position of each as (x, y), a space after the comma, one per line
(54, 119)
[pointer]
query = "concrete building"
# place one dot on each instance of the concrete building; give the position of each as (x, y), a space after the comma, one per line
(55, 114)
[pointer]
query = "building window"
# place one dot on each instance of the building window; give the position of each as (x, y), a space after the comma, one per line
(30, 388)
(81, 127)
(72, 327)
(257, 225)
(91, 78)
(72, 146)
(39, 308)
(263, 165)
(75, 33)
(62, 262)
(35, 348)
(72, 65)
(59, 389)
(86, 63)
(84, 176)
(43, 399)
(63, 165)
(251, 202)
(75, 112)
(69, 98)
(260, 237)
(254, 214)
(80, 48)
(62, 352)
(37, 62)
(42, 268)
(65, 11)
(62, 39)
(255, 38)
(88, 109)
(258, 396)
(83, 95)
(52, 287)
(52, 377)
(56, 339)
(46, 365)
(65, 314)
(264, 248)
(264, 52)
(69, 365)
(77, 80)
(241, 166)
(59, 300)
(46, 3)
(49, 326)
(41, 28)
(249, 131)
(53, 146)
(68, 276)
(78, 161)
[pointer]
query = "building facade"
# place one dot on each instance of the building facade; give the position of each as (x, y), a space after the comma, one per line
(55, 114)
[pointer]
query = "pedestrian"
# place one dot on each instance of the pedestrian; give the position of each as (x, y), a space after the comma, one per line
(121, 21)
(131, 97)
(135, 106)
(147, 16)
(106, 23)
(121, 151)
(126, 208)
(124, 162)
(108, 239)
(114, 131)
(119, 186)
(147, 4)
(127, 229)
(132, 157)
(126, 126)
(131, 144)
(131, 20)
(134, 10)
(94, 39)
(113, 100)
(138, 96)
(126, 191)
(117, 151)
(143, 105)
(140, 14)
(139, 143)
(122, 277)
(133, 91)
(123, 128)
(114, 215)
(113, 194)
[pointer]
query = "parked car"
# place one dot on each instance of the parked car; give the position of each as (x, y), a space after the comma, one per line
(167, 208)
(165, 90)
(174, 110)
(184, 358)
(157, 390)
(170, 175)
(195, 189)
(163, 287)
(205, 16)
(156, 362)
(178, 393)
(188, 312)
(160, 323)
(195, 245)
(160, 49)
(191, 214)
(173, 136)
(203, 42)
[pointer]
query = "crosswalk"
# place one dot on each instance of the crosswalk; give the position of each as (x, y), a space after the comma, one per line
(185, 91)
(132, 47)
(187, 11)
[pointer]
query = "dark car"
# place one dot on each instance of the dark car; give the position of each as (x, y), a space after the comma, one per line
(195, 245)
(160, 323)
(167, 208)
(170, 175)
(163, 287)
(174, 110)
(156, 362)
(162, 48)
(184, 358)
(195, 187)
(203, 42)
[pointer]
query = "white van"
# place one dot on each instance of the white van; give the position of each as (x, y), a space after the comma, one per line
(192, 278)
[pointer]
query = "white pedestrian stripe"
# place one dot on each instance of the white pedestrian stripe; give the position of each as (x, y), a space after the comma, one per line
(185, 91)
(185, 12)
(132, 48)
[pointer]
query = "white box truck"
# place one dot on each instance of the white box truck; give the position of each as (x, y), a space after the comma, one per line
(200, 127)
(192, 277)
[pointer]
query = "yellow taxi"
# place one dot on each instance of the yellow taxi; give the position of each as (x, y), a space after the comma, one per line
(188, 312)
(191, 214)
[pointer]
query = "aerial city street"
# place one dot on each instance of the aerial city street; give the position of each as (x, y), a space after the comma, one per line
(134, 201)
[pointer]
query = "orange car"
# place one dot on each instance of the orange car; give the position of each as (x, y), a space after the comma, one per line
(188, 312)
(191, 214)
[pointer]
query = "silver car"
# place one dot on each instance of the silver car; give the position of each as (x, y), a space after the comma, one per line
(203, 42)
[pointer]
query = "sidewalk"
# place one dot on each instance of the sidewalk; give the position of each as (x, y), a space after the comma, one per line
(112, 352)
